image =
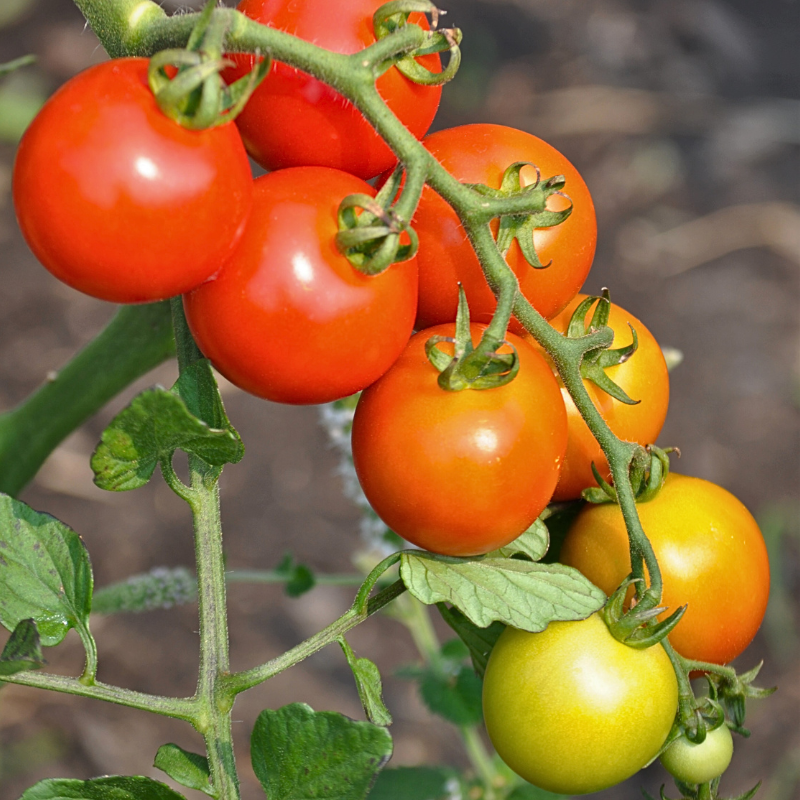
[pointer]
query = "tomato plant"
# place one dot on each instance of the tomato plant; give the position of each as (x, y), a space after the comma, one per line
(459, 473)
(480, 154)
(288, 317)
(572, 710)
(296, 120)
(643, 377)
(699, 763)
(120, 202)
(711, 554)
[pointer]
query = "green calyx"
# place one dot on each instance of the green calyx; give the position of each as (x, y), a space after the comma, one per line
(470, 367)
(638, 627)
(187, 83)
(733, 691)
(371, 240)
(595, 362)
(393, 15)
(536, 214)
(648, 472)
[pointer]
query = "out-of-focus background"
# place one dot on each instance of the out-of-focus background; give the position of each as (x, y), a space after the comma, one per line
(684, 118)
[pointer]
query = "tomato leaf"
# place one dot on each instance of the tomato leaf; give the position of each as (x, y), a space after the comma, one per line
(45, 574)
(116, 787)
(479, 641)
(23, 651)
(413, 783)
(521, 593)
(456, 698)
(368, 683)
(188, 769)
(151, 428)
(299, 753)
(159, 588)
(300, 579)
(532, 543)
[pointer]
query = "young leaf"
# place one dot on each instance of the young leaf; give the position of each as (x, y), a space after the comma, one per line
(198, 389)
(298, 754)
(159, 588)
(456, 698)
(521, 593)
(23, 651)
(368, 683)
(414, 783)
(480, 641)
(300, 577)
(187, 769)
(45, 574)
(151, 428)
(532, 543)
(109, 788)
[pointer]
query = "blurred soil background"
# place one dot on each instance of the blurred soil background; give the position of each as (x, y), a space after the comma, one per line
(684, 118)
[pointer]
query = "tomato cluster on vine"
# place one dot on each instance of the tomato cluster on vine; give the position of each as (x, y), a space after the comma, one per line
(124, 204)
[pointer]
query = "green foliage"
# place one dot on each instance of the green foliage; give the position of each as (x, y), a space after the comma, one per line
(300, 579)
(109, 788)
(368, 683)
(45, 574)
(521, 593)
(479, 641)
(23, 651)
(533, 543)
(153, 427)
(413, 783)
(159, 588)
(187, 769)
(299, 754)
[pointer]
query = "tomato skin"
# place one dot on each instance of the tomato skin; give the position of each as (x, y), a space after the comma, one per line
(644, 377)
(459, 473)
(288, 318)
(572, 710)
(120, 202)
(699, 763)
(294, 120)
(480, 154)
(711, 554)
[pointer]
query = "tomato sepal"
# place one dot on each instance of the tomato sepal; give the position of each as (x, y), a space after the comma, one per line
(733, 691)
(393, 15)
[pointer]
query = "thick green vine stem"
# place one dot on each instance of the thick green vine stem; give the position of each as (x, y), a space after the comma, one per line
(137, 339)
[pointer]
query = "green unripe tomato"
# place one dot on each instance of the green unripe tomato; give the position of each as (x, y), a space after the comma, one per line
(699, 763)
(573, 710)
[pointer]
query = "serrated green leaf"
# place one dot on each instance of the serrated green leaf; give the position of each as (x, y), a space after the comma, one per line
(479, 641)
(187, 769)
(23, 651)
(456, 698)
(300, 754)
(198, 388)
(413, 783)
(151, 428)
(159, 588)
(45, 574)
(532, 543)
(368, 683)
(109, 788)
(521, 593)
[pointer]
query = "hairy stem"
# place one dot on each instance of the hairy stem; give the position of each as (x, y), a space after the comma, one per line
(137, 339)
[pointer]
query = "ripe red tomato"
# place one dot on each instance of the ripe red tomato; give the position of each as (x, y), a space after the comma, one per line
(295, 120)
(572, 710)
(119, 201)
(288, 318)
(459, 473)
(711, 554)
(480, 154)
(643, 377)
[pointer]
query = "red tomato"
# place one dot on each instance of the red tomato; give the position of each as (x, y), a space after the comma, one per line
(459, 473)
(643, 377)
(711, 554)
(119, 201)
(295, 120)
(481, 154)
(288, 318)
